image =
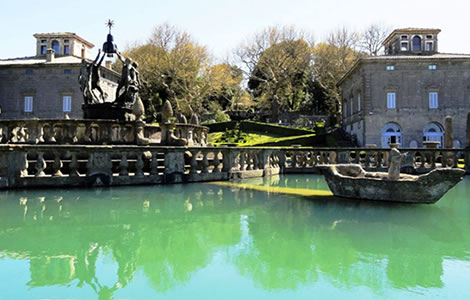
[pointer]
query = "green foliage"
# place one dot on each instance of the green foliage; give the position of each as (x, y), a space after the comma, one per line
(176, 68)
(220, 116)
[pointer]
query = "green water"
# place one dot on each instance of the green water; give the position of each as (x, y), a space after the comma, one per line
(202, 241)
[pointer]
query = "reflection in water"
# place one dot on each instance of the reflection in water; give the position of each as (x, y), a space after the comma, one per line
(282, 242)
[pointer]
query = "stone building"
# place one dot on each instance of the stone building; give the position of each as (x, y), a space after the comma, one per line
(405, 95)
(46, 85)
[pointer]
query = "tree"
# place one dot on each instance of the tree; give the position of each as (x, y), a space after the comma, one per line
(174, 67)
(332, 59)
(372, 38)
(277, 64)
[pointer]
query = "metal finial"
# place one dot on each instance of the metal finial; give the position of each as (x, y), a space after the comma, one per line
(110, 24)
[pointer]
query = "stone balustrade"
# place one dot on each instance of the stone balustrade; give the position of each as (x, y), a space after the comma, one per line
(93, 132)
(26, 165)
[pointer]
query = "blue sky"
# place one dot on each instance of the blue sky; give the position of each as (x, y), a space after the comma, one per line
(222, 24)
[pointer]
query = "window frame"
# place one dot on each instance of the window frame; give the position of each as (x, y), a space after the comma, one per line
(67, 103)
(391, 99)
(28, 103)
(433, 99)
(390, 68)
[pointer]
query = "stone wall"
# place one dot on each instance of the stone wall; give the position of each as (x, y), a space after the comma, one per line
(411, 80)
(47, 84)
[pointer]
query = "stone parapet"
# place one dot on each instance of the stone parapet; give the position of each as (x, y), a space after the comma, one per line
(29, 166)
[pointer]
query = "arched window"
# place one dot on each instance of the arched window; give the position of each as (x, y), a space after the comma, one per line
(433, 132)
(55, 46)
(391, 133)
(416, 43)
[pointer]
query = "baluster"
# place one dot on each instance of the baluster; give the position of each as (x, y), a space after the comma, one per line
(74, 166)
(293, 159)
(332, 157)
(154, 164)
(23, 164)
(123, 165)
(249, 160)
(40, 165)
(216, 162)
(379, 159)
(367, 160)
(57, 165)
(139, 165)
(257, 161)
(242, 161)
(205, 162)
(193, 162)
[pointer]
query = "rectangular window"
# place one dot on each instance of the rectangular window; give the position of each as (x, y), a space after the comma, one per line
(28, 104)
(28, 72)
(67, 71)
(67, 103)
(433, 100)
(428, 46)
(432, 67)
(43, 49)
(429, 36)
(66, 41)
(404, 46)
(66, 49)
(390, 68)
(404, 37)
(43, 41)
(358, 102)
(352, 106)
(391, 99)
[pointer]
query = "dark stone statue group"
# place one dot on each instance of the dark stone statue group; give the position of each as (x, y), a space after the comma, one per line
(127, 93)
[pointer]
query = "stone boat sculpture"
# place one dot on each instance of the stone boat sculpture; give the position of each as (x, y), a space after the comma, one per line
(351, 181)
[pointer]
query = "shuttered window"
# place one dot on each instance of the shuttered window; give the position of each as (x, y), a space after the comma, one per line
(391, 100)
(67, 103)
(28, 104)
(433, 100)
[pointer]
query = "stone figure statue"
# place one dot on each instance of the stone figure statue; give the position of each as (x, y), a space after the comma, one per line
(89, 79)
(395, 164)
(127, 92)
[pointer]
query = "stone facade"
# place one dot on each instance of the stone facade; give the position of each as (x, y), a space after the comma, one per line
(46, 85)
(405, 96)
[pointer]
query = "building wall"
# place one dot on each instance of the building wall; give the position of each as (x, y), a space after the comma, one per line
(47, 84)
(412, 81)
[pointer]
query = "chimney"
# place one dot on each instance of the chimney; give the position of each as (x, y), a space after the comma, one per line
(108, 64)
(50, 55)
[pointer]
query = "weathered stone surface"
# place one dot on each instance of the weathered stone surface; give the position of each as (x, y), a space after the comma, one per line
(351, 181)
(449, 133)
(468, 131)
(167, 111)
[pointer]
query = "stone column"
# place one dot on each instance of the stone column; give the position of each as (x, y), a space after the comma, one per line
(449, 133)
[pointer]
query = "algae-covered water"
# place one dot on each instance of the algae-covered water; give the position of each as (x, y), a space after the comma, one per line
(276, 238)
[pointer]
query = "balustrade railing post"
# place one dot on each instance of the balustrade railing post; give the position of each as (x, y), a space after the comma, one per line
(40, 165)
(193, 162)
(57, 165)
(154, 164)
(174, 166)
(74, 165)
(139, 165)
(216, 162)
(123, 165)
